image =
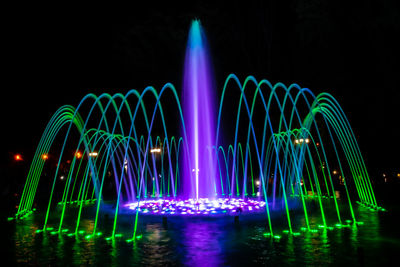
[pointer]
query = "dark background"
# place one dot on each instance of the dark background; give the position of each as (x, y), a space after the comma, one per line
(346, 48)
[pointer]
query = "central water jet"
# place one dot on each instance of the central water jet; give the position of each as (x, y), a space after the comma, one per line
(198, 105)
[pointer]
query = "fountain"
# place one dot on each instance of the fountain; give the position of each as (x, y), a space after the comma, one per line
(199, 117)
(301, 156)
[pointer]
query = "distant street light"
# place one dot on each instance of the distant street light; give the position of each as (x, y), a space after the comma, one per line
(45, 156)
(78, 155)
(18, 157)
(155, 150)
(302, 140)
(93, 154)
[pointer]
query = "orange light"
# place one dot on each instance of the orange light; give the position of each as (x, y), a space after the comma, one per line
(18, 157)
(45, 156)
(78, 155)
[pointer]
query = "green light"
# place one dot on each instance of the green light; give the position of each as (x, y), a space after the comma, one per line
(267, 234)
(360, 223)
(330, 228)
(88, 236)
(70, 234)
(313, 230)
(277, 237)
(338, 225)
(53, 232)
(129, 240)
(285, 231)
(296, 233)
(38, 231)
(108, 238)
(81, 232)
(139, 237)
(99, 233)
(118, 235)
(330, 111)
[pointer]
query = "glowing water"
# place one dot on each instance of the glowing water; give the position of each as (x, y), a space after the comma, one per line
(287, 161)
(199, 112)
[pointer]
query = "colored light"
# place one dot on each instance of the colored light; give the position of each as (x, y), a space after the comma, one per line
(194, 207)
(199, 116)
(197, 176)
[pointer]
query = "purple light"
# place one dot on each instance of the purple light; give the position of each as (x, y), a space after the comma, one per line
(179, 207)
(198, 104)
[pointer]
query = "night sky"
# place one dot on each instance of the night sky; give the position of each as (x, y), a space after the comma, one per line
(350, 51)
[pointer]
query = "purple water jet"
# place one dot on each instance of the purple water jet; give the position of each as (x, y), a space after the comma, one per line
(198, 107)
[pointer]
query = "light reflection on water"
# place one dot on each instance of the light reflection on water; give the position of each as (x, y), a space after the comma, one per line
(201, 242)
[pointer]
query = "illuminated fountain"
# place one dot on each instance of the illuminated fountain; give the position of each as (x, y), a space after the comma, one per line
(301, 155)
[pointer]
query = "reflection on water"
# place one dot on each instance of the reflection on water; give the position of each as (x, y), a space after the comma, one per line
(208, 242)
